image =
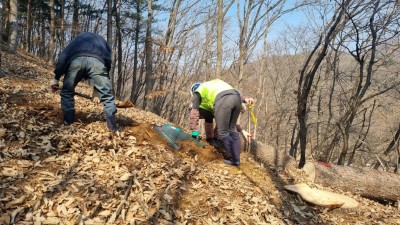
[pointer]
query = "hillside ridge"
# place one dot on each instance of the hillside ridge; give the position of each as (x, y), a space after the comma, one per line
(81, 174)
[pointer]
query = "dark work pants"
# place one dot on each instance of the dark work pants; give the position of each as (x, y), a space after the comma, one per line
(227, 110)
(88, 68)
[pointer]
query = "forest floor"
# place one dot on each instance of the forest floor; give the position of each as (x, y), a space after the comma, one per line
(81, 174)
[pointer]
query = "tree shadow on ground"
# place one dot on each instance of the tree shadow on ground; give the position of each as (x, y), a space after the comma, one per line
(289, 202)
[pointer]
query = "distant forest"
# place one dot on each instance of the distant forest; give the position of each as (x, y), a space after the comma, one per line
(327, 89)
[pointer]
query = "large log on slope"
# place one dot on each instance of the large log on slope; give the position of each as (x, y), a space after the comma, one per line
(365, 182)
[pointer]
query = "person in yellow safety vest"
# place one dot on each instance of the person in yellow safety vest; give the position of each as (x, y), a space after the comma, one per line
(225, 102)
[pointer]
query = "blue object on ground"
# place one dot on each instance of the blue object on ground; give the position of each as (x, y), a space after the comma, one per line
(174, 134)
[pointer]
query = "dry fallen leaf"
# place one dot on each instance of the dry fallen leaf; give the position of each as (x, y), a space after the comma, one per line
(105, 213)
(3, 132)
(51, 220)
(9, 172)
(16, 201)
(125, 177)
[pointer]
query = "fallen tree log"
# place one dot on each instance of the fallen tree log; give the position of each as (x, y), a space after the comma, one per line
(272, 157)
(322, 198)
(366, 182)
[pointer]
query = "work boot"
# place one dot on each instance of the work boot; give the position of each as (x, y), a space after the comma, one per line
(69, 117)
(235, 147)
(229, 162)
(219, 143)
(212, 142)
(112, 123)
(227, 145)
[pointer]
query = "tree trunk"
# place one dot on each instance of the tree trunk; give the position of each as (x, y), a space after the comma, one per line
(61, 31)
(52, 33)
(109, 22)
(112, 70)
(149, 54)
(75, 19)
(135, 75)
(220, 22)
(242, 40)
(1, 33)
(390, 147)
(271, 156)
(28, 26)
(42, 33)
(119, 90)
(13, 24)
(307, 76)
(110, 10)
(294, 141)
(208, 52)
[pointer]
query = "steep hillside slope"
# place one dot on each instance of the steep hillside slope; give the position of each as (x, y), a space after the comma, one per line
(80, 174)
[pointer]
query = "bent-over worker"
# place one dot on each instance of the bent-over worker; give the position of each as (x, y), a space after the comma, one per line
(87, 56)
(225, 102)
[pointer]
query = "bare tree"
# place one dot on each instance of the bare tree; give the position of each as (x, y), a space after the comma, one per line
(117, 5)
(255, 18)
(367, 40)
(208, 45)
(75, 19)
(222, 10)
(182, 59)
(310, 68)
(13, 26)
(52, 33)
(136, 78)
(1, 34)
(166, 52)
(61, 31)
(366, 123)
(109, 21)
(275, 12)
(28, 26)
(149, 53)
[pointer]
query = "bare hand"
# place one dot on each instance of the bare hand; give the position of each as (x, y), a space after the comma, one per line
(54, 86)
(249, 101)
(247, 135)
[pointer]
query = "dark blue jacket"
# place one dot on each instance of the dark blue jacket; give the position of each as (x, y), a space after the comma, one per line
(85, 44)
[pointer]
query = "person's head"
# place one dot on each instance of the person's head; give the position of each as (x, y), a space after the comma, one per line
(194, 87)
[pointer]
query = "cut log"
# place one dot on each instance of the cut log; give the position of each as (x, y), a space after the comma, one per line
(366, 182)
(322, 198)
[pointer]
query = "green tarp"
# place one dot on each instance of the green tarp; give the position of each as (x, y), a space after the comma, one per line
(174, 134)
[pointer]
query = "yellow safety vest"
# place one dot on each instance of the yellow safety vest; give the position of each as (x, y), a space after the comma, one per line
(209, 91)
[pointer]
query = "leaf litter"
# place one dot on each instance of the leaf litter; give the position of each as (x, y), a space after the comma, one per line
(81, 174)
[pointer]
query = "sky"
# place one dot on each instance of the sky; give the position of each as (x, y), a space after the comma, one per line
(279, 28)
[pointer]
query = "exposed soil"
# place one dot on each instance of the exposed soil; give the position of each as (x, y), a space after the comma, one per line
(82, 174)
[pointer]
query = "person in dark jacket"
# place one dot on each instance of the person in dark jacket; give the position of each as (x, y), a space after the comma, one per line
(87, 56)
(225, 103)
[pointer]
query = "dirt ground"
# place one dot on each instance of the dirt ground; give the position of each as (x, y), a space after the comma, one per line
(82, 174)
